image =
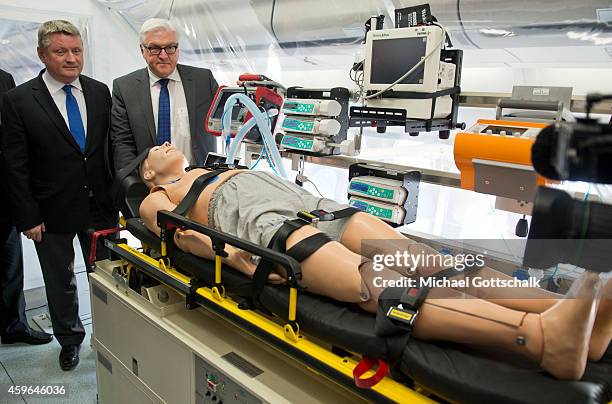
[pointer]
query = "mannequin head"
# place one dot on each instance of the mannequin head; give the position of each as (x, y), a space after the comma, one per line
(163, 164)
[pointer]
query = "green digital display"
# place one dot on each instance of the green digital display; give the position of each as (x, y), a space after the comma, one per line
(372, 190)
(298, 107)
(298, 125)
(383, 213)
(297, 143)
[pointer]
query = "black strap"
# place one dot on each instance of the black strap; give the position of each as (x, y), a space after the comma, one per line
(346, 212)
(260, 278)
(279, 240)
(277, 243)
(194, 192)
(308, 246)
(300, 251)
(414, 297)
(133, 165)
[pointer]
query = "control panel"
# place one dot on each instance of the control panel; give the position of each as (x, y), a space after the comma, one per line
(214, 387)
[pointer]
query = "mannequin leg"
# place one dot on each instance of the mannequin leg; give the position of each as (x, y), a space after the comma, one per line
(602, 329)
(531, 300)
(558, 338)
(337, 272)
(363, 226)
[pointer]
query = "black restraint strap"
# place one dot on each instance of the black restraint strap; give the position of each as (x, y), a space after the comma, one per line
(308, 246)
(346, 212)
(300, 251)
(194, 192)
(133, 165)
(264, 268)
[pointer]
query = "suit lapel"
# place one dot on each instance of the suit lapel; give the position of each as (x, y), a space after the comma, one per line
(43, 97)
(144, 90)
(189, 88)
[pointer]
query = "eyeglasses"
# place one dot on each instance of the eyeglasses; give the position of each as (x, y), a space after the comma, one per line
(156, 50)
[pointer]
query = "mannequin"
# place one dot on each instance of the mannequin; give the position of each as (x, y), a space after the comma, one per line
(559, 333)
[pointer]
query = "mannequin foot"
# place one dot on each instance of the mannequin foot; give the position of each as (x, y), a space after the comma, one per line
(602, 329)
(566, 329)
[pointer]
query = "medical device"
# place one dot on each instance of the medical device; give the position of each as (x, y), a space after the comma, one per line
(384, 211)
(267, 95)
(311, 126)
(315, 120)
(218, 158)
(259, 119)
(389, 195)
(311, 107)
(390, 53)
(215, 113)
(304, 143)
(409, 80)
(382, 189)
(494, 157)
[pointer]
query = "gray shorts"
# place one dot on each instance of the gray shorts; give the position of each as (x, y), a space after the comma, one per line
(254, 204)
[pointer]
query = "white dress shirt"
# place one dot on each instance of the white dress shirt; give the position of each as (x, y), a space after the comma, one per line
(59, 96)
(180, 133)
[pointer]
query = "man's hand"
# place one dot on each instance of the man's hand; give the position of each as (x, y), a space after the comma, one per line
(35, 233)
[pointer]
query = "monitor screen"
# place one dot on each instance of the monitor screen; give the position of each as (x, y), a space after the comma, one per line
(392, 58)
(238, 112)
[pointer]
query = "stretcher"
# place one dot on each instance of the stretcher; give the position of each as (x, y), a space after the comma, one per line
(339, 341)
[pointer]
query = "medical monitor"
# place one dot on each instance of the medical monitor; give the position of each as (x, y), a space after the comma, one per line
(390, 53)
(215, 113)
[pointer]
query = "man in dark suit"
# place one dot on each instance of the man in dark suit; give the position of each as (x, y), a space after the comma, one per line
(13, 323)
(55, 146)
(163, 102)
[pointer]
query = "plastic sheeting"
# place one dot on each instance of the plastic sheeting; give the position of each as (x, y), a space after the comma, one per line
(18, 40)
(269, 35)
(234, 36)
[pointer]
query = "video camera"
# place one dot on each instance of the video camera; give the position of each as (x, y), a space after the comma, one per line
(579, 151)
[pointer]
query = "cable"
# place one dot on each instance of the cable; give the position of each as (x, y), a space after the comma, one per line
(409, 72)
(315, 185)
(272, 21)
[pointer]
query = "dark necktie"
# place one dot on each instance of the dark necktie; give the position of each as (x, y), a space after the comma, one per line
(163, 113)
(75, 122)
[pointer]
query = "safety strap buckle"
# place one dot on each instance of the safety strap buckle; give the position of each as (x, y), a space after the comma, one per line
(408, 308)
(315, 216)
(402, 314)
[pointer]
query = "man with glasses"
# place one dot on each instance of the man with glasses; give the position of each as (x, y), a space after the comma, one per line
(165, 101)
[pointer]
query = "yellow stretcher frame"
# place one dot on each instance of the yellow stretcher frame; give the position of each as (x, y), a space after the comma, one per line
(388, 388)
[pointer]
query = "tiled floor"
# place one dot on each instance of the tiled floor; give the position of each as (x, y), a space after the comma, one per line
(25, 365)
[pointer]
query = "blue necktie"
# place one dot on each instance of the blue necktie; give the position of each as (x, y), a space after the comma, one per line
(163, 113)
(75, 122)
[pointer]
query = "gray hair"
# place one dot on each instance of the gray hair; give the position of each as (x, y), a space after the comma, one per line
(49, 28)
(156, 24)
